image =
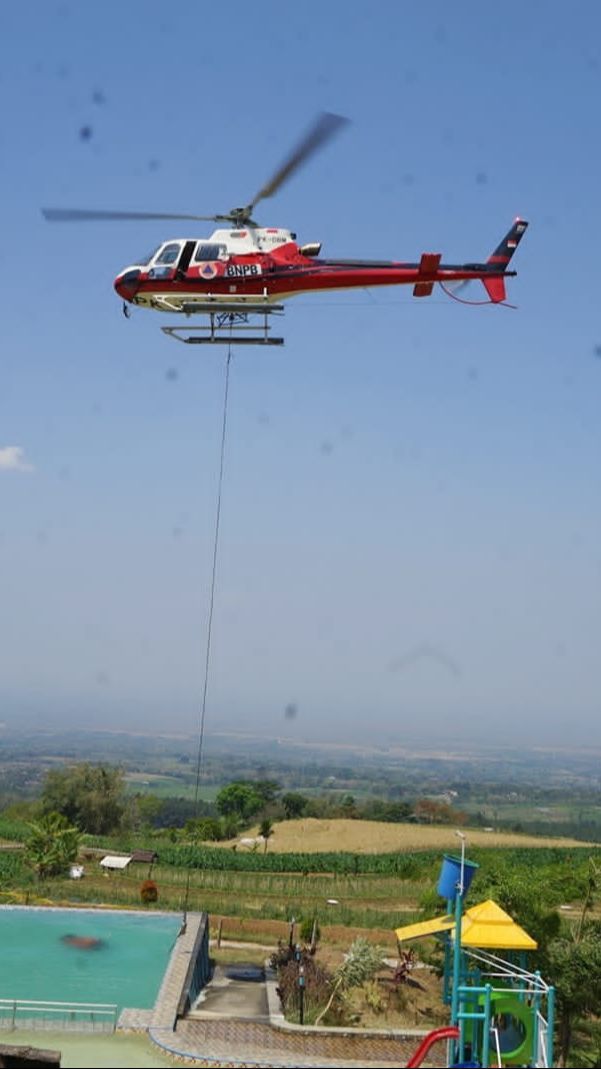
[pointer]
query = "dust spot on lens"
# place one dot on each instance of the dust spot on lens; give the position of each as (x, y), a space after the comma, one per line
(85, 133)
(291, 711)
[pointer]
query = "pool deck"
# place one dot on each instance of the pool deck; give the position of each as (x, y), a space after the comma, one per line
(163, 1017)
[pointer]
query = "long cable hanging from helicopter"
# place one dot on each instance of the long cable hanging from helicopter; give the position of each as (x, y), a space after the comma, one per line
(209, 634)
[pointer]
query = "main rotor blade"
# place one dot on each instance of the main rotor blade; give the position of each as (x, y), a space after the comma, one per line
(323, 129)
(78, 215)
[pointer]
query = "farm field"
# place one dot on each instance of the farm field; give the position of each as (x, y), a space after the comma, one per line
(551, 813)
(164, 786)
(361, 902)
(373, 837)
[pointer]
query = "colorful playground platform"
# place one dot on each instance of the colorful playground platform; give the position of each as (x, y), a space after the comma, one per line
(501, 1012)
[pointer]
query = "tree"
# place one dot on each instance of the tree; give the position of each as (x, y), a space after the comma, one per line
(575, 970)
(90, 796)
(240, 800)
(267, 789)
(144, 810)
(294, 804)
(348, 807)
(429, 811)
(265, 831)
(51, 845)
(205, 829)
(533, 910)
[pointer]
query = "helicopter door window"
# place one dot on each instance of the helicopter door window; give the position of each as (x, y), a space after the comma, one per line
(206, 251)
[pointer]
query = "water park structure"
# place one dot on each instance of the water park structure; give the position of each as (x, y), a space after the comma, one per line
(502, 1013)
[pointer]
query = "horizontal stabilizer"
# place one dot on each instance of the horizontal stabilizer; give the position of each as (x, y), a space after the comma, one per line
(428, 266)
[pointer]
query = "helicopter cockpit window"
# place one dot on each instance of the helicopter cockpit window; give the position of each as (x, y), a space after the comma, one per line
(207, 251)
(170, 254)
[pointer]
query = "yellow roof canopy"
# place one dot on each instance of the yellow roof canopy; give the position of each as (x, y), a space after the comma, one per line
(486, 926)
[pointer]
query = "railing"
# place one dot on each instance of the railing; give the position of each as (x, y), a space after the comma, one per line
(495, 1035)
(199, 968)
(542, 1044)
(74, 1016)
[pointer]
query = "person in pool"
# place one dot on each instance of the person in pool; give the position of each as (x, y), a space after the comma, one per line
(83, 942)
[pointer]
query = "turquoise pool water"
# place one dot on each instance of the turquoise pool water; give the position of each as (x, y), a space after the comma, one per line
(126, 968)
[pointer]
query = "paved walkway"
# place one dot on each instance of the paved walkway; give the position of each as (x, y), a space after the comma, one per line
(249, 1043)
(224, 997)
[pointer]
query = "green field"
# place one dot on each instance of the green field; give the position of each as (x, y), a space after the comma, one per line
(374, 892)
(163, 786)
(542, 817)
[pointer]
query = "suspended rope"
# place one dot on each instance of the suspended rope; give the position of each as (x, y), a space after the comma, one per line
(203, 704)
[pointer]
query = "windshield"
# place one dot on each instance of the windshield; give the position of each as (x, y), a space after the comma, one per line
(170, 253)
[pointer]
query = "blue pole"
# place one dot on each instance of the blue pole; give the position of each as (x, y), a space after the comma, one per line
(536, 1006)
(486, 1034)
(550, 1023)
(457, 946)
(456, 961)
(446, 990)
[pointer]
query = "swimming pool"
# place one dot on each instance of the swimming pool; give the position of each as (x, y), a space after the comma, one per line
(84, 955)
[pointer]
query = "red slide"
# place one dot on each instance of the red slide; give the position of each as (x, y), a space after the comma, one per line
(433, 1037)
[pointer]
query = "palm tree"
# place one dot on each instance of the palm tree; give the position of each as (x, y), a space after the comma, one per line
(266, 831)
(51, 845)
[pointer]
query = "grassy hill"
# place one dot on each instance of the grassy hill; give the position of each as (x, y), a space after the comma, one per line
(373, 837)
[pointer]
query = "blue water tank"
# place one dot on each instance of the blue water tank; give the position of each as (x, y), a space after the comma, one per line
(450, 876)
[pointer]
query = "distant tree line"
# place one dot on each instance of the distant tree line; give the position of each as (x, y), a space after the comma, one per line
(93, 799)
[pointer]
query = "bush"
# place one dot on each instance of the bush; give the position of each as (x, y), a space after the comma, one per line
(149, 892)
(318, 983)
(306, 930)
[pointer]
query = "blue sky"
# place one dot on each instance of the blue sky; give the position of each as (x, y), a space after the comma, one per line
(411, 519)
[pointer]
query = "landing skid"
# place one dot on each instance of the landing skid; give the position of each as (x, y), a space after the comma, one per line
(231, 327)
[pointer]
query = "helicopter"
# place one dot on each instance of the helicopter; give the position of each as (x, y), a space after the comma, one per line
(244, 271)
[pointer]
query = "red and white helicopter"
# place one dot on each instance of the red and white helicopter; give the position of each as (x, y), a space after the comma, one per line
(244, 270)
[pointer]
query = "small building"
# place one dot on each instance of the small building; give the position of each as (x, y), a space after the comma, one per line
(115, 862)
(145, 857)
